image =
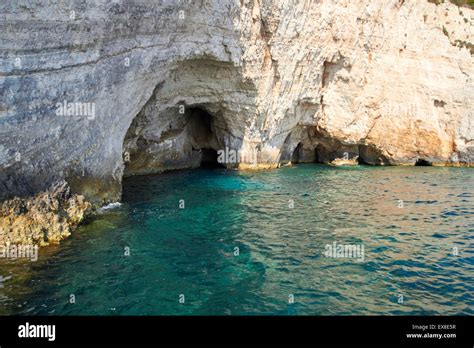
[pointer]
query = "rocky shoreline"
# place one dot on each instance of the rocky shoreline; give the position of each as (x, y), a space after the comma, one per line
(52, 215)
(93, 94)
(44, 219)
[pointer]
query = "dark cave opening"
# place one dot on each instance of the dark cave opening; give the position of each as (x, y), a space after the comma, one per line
(175, 138)
(368, 156)
(321, 154)
(295, 157)
(209, 159)
(200, 126)
(203, 138)
(420, 162)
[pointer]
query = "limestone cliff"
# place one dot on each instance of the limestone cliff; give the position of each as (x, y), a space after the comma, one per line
(91, 90)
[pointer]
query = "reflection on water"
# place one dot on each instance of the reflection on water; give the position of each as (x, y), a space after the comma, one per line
(250, 243)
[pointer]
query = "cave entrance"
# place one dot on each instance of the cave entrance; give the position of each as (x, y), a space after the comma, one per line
(321, 154)
(179, 137)
(203, 139)
(420, 162)
(295, 157)
(199, 127)
(209, 159)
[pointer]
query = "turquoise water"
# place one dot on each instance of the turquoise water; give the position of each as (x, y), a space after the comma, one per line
(280, 221)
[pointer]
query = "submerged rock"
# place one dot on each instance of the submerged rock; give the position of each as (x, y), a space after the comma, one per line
(47, 218)
(345, 161)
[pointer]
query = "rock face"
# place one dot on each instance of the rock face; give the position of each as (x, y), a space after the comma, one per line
(92, 90)
(46, 218)
(345, 162)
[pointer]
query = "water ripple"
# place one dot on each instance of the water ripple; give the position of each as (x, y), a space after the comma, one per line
(255, 243)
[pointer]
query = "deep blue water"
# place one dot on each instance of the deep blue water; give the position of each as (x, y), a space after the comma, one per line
(408, 251)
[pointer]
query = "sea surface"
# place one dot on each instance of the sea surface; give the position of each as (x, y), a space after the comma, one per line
(221, 242)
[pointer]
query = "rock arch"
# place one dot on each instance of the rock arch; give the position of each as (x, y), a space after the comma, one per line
(191, 115)
(176, 138)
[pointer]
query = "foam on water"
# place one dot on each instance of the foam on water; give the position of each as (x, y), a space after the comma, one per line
(109, 207)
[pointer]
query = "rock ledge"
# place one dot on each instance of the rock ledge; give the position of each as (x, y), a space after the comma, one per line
(46, 218)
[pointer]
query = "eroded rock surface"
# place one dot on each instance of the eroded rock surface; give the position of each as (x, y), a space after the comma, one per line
(47, 218)
(345, 161)
(388, 81)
